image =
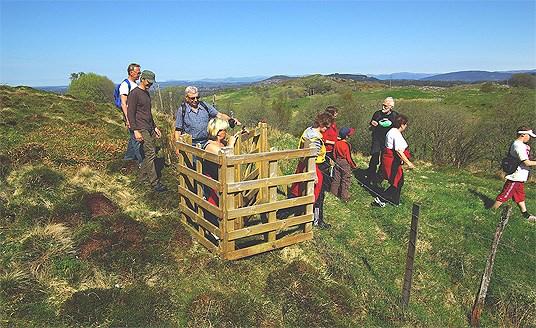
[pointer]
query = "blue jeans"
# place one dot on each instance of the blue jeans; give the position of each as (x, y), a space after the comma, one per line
(133, 149)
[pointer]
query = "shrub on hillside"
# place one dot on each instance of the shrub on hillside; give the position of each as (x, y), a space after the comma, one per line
(523, 80)
(92, 87)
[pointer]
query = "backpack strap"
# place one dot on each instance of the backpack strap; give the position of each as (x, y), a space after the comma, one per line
(128, 83)
(183, 111)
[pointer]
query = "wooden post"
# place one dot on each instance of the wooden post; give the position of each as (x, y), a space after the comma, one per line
(408, 276)
(486, 276)
(227, 202)
(161, 102)
(171, 103)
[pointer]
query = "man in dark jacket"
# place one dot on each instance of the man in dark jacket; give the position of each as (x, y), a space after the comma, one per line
(380, 124)
(144, 127)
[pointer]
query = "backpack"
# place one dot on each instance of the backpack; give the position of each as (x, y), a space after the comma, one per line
(117, 96)
(509, 164)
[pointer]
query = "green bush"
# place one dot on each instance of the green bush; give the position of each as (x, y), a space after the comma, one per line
(92, 87)
(523, 80)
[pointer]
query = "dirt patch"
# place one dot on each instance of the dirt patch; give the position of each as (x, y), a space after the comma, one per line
(99, 205)
(116, 242)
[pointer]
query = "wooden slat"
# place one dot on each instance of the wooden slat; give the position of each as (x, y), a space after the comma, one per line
(200, 220)
(203, 179)
(200, 201)
(263, 208)
(199, 153)
(269, 156)
(276, 226)
(270, 182)
(265, 247)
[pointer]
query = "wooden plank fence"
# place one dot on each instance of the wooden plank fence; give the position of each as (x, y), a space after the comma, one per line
(249, 185)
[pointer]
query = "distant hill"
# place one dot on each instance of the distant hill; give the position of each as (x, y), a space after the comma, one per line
(355, 77)
(402, 76)
(474, 76)
(274, 79)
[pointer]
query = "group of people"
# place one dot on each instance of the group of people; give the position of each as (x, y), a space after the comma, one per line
(389, 149)
(193, 117)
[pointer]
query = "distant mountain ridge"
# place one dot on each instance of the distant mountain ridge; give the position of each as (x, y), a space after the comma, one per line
(475, 76)
(216, 83)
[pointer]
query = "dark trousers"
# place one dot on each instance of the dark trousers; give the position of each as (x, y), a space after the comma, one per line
(392, 193)
(148, 167)
(371, 174)
(342, 176)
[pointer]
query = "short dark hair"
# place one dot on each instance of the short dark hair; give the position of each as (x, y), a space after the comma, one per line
(332, 110)
(400, 120)
(523, 128)
(131, 67)
(323, 119)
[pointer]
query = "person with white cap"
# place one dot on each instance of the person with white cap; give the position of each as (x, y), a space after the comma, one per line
(514, 186)
(380, 124)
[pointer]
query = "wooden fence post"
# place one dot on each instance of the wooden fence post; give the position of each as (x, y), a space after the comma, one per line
(486, 276)
(410, 259)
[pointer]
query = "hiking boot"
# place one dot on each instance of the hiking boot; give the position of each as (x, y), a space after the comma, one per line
(531, 218)
(378, 202)
(160, 187)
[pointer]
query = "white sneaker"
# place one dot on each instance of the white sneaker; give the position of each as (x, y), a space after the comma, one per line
(379, 202)
(531, 218)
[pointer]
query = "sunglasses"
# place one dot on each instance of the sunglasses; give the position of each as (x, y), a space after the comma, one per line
(193, 98)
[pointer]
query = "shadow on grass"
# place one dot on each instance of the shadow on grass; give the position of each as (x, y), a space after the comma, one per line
(488, 202)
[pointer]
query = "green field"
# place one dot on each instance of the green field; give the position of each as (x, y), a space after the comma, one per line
(84, 243)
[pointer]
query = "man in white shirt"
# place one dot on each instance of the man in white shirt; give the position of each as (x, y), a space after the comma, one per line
(133, 148)
(515, 183)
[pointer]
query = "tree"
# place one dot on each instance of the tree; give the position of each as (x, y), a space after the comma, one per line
(92, 87)
(523, 80)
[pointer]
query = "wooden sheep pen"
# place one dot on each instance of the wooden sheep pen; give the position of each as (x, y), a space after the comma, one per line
(249, 178)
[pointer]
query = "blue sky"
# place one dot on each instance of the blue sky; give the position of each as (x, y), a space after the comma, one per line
(43, 42)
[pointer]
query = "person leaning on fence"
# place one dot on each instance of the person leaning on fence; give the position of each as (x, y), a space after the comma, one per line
(144, 127)
(314, 134)
(344, 164)
(217, 134)
(394, 155)
(514, 186)
(133, 148)
(380, 124)
(193, 116)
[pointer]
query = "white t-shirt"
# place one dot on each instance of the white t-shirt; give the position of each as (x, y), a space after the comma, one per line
(395, 140)
(123, 88)
(520, 151)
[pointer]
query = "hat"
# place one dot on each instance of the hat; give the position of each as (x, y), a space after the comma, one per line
(529, 132)
(148, 75)
(345, 132)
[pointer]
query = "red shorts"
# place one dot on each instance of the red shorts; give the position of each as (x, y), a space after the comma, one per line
(514, 190)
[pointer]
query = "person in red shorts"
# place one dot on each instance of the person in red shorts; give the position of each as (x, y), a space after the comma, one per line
(514, 186)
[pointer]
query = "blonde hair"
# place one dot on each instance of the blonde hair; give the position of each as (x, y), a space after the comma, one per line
(215, 125)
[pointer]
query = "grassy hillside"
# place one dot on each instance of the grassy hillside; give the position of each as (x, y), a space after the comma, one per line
(84, 243)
